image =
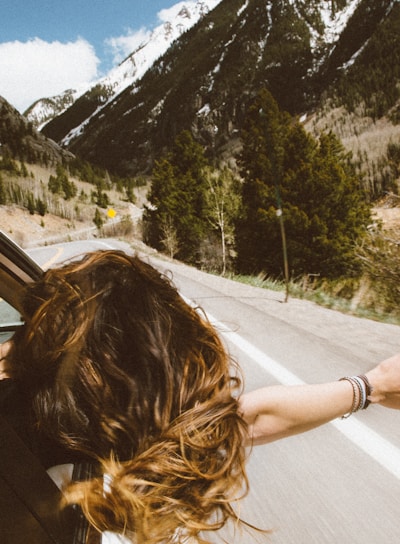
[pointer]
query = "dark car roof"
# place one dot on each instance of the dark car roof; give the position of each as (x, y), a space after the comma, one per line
(16, 270)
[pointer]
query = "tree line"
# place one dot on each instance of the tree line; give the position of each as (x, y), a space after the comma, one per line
(217, 218)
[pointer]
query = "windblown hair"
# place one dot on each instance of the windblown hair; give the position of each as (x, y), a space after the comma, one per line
(123, 371)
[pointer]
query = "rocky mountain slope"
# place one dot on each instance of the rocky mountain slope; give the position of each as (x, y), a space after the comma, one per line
(155, 43)
(19, 139)
(308, 54)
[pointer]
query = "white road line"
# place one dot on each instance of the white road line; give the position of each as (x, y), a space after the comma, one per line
(370, 442)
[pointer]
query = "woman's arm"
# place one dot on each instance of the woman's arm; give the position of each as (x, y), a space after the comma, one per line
(279, 411)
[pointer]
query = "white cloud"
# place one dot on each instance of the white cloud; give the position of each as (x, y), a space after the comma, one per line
(36, 69)
(122, 46)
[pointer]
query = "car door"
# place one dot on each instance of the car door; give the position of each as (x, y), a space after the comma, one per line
(16, 269)
(23, 513)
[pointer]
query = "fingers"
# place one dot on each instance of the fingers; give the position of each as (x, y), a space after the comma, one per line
(385, 382)
(4, 366)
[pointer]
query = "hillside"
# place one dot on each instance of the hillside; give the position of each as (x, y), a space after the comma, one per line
(66, 219)
(336, 61)
(47, 193)
(74, 219)
(19, 139)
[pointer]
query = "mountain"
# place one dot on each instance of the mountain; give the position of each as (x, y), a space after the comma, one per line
(181, 17)
(46, 109)
(309, 54)
(20, 140)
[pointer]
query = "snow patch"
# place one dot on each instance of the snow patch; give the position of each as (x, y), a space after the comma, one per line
(205, 110)
(241, 10)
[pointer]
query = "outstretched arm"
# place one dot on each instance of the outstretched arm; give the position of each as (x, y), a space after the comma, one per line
(279, 411)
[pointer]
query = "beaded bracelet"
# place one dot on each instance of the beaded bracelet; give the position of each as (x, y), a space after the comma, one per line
(362, 389)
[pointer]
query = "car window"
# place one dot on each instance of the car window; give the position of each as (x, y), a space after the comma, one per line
(17, 269)
(10, 320)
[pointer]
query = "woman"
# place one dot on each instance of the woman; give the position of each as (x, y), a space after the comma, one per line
(113, 369)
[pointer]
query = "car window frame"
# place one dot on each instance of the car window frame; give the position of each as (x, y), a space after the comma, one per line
(17, 269)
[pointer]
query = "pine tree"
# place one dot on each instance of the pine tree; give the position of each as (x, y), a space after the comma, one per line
(54, 184)
(30, 203)
(261, 163)
(23, 170)
(41, 207)
(340, 210)
(312, 183)
(177, 198)
(3, 197)
(98, 219)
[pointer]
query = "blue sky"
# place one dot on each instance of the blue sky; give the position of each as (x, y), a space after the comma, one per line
(44, 44)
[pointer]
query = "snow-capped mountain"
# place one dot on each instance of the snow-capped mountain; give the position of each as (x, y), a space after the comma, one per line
(177, 20)
(312, 56)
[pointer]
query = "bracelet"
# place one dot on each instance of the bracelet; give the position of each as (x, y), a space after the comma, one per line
(362, 389)
(368, 388)
(355, 404)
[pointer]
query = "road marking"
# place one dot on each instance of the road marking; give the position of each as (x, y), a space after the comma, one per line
(60, 249)
(369, 441)
(54, 259)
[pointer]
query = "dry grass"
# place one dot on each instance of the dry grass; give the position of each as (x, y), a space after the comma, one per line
(365, 138)
(64, 219)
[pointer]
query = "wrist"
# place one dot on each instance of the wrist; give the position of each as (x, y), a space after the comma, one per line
(362, 391)
(377, 392)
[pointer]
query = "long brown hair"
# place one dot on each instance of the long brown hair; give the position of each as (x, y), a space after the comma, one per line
(122, 370)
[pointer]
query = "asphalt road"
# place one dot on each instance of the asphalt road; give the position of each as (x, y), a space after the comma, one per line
(337, 484)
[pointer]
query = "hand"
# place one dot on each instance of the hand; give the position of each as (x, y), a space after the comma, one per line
(385, 382)
(4, 365)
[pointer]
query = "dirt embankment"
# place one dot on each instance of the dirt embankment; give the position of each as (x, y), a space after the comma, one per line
(75, 217)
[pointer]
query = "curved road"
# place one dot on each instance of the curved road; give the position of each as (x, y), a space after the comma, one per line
(339, 484)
